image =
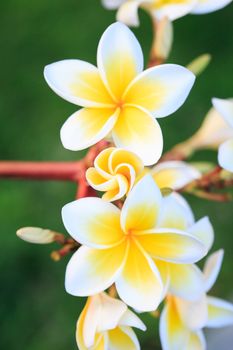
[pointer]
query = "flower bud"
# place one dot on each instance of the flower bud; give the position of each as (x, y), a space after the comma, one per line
(199, 64)
(36, 235)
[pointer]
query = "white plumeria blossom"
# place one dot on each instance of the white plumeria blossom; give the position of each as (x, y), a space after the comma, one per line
(172, 9)
(118, 96)
(106, 323)
(182, 321)
(225, 153)
(123, 247)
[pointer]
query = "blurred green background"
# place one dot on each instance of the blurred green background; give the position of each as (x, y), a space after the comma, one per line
(36, 313)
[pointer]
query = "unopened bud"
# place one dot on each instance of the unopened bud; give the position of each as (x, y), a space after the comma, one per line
(199, 64)
(36, 235)
(163, 39)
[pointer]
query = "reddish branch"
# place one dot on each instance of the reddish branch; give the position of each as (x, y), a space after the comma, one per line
(68, 171)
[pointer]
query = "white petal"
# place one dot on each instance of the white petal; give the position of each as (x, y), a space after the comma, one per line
(203, 230)
(119, 58)
(225, 155)
(220, 313)
(137, 131)
(140, 285)
(123, 338)
(87, 127)
(112, 310)
(78, 82)
(196, 341)
(224, 108)
(93, 222)
(112, 4)
(160, 90)
(206, 6)
(193, 313)
(174, 174)
(173, 333)
(186, 281)
(128, 13)
(130, 319)
(141, 208)
(175, 213)
(211, 269)
(174, 11)
(91, 271)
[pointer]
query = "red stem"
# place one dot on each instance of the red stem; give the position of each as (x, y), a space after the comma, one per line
(70, 171)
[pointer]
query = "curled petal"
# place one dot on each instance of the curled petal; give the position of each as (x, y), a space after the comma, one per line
(93, 222)
(160, 90)
(87, 127)
(225, 155)
(137, 131)
(121, 156)
(220, 313)
(211, 269)
(119, 58)
(119, 191)
(98, 182)
(141, 208)
(91, 271)
(78, 82)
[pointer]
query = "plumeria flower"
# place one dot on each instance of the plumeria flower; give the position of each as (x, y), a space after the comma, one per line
(158, 9)
(118, 246)
(183, 280)
(118, 96)
(115, 171)
(182, 321)
(105, 323)
(225, 153)
(174, 174)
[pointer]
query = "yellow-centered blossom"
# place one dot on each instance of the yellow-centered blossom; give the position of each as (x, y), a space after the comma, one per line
(115, 171)
(225, 152)
(118, 96)
(182, 321)
(158, 9)
(106, 323)
(119, 246)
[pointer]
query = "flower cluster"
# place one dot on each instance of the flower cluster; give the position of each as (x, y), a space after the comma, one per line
(146, 242)
(137, 246)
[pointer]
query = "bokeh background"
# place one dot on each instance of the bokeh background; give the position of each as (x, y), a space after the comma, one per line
(36, 313)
